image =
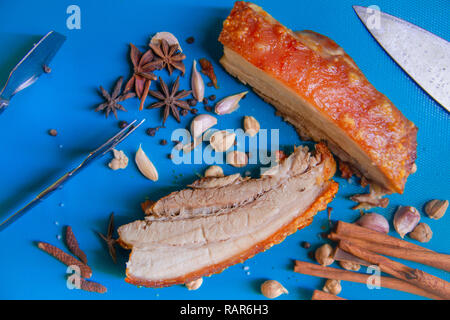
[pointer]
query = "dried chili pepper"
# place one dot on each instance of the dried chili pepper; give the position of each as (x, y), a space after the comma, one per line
(208, 70)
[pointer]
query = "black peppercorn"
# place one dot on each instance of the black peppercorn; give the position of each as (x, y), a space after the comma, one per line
(53, 132)
(163, 142)
(194, 111)
(151, 132)
(208, 108)
(190, 40)
(305, 245)
(192, 102)
(212, 97)
(122, 124)
(184, 112)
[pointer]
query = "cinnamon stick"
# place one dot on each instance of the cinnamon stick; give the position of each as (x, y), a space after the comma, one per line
(430, 258)
(358, 232)
(344, 275)
(416, 277)
(322, 295)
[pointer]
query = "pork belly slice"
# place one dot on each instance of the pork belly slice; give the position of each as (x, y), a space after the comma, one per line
(204, 229)
(319, 89)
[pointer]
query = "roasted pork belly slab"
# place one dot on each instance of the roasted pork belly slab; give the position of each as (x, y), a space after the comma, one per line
(219, 222)
(319, 89)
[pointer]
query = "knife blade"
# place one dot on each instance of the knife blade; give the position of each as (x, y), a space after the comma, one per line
(28, 70)
(424, 56)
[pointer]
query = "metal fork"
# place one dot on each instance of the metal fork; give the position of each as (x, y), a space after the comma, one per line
(97, 153)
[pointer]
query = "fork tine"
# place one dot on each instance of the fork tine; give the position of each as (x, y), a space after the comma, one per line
(114, 137)
(120, 139)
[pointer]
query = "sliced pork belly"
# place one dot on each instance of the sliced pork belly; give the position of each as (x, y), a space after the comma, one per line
(219, 222)
(319, 89)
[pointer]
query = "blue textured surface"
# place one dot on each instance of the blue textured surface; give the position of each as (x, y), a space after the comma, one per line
(97, 55)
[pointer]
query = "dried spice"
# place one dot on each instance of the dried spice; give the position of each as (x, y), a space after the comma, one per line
(122, 124)
(110, 242)
(53, 132)
(170, 100)
(46, 68)
(208, 70)
(169, 37)
(143, 66)
(92, 286)
(113, 99)
(168, 56)
(65, 258)
(190, 40)
(73, 246)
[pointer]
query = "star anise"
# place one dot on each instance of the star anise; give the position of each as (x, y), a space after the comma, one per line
(110, 242)
(170, 100)
(169, 56)
(113, 99)
(143, 65)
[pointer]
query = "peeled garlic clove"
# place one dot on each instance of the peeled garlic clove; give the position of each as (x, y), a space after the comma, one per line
(435, 209)
(229, 104)
(251, 126)
(374, 221)
(120, 160)
(324, 255)
(237, 159)
(422, 232)
(197, 84)
(164, 35)
(272, 289)
(406, 219)
(194, 285)
(332, 286)
(222, 140)
(201, 123)
(214, 171)
(145, 166)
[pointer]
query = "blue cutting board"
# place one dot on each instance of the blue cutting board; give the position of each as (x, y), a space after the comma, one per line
(97, 54)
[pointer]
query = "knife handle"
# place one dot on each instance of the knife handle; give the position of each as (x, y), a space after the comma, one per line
(3, 104)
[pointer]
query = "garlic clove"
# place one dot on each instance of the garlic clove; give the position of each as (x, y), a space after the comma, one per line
(164, 35)
(332, 286)
(237, 159)
(145, 166)
(406, 219)
(222, 140)
(422, 232)
(324, 255)
(251, 126)
(214, 171)
(229, 104)
(272, 289)
(435, 209)
(195, 284)
(201, 123)
(120, 160)
(374, 221)
(197, 84)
